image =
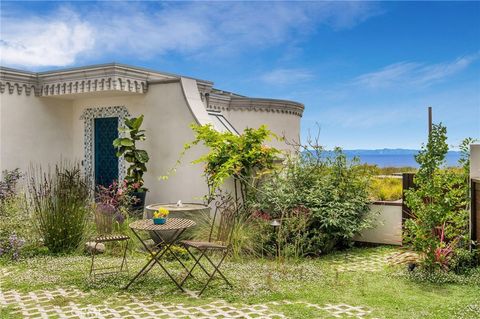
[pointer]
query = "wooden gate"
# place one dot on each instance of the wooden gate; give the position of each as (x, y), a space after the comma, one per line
(475, 208)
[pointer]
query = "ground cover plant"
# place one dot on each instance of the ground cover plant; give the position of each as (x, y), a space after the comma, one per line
(386, 291)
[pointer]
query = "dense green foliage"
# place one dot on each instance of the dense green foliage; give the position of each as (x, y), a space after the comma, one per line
(439, 204)
(126, 147)
(321, 203)
(60, 204)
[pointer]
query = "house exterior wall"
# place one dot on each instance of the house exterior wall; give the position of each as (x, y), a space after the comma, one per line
(167, 120)
(46, 116)
(475, 161)
(34, 130)
(283, 125)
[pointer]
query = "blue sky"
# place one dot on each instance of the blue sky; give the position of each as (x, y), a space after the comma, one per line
(366, 71)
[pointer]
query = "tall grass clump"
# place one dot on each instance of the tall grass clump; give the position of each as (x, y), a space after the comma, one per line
(386, 188)
(60, 203)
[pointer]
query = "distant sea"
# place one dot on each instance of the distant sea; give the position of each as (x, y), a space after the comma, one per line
(394, 157)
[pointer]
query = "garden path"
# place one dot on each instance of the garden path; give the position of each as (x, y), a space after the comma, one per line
(66, 303)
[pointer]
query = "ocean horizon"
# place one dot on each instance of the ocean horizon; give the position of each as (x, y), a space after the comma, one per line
(394, 157)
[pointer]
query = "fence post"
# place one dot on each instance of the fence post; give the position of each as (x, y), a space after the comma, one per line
(407, 183)
(475, 211)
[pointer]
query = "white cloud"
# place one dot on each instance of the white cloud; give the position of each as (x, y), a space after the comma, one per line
(43, 42)
(205, 30)
(413, 74)
(286, 76)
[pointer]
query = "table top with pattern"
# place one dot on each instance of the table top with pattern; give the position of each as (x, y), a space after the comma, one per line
(170, 224)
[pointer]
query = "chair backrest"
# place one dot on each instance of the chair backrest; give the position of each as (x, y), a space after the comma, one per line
(226, 208)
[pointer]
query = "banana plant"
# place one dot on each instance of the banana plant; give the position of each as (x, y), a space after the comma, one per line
(126, 147)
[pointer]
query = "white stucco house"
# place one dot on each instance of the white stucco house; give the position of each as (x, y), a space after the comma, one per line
(74, 114)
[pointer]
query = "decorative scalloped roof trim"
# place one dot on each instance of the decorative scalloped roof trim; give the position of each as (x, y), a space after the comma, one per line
(96, 78)
(223, 103)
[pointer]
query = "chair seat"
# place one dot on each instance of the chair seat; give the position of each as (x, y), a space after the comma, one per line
(202, 245)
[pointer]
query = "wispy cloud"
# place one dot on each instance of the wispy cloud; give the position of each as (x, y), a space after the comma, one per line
(286, 76)
(69, 32)
(413, 73)
(40, 42)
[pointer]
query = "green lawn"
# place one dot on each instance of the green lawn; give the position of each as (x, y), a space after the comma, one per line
(386, 290)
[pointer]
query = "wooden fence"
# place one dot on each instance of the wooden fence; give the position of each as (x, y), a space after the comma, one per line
(475, 210)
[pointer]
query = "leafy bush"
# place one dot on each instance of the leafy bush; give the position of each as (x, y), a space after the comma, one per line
(321, 202)
(60, 203)
(439, 204)
(386, 188)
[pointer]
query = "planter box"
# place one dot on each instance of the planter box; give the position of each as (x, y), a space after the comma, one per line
(387, 227)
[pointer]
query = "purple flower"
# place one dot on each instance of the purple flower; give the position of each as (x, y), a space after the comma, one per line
(106, 209)
(119, 217)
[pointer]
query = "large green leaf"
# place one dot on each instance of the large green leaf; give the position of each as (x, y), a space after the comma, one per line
(137, 122)
(141, 156)
(126, 142)
(117, 142)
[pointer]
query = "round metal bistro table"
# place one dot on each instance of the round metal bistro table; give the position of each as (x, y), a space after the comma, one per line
(177, 226)
(194, 211)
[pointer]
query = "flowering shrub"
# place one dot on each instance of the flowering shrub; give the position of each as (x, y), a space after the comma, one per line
(12, 247)
(9, 183)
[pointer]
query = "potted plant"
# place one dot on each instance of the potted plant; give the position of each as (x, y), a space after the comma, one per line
(160, 216)
(137, 158)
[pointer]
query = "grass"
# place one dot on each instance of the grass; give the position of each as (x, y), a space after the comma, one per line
(386, 189)
(388, 292)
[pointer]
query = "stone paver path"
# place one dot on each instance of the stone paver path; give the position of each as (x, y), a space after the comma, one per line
(371, 262)
(66, 303)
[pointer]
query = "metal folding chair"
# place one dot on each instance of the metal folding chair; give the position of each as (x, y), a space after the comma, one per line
(219, 242)
(96, 271)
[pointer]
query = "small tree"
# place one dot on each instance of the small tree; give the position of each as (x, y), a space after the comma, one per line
(126, 147)
(439, 203)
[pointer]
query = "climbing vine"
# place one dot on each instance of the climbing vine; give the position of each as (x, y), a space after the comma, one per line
(242, 157)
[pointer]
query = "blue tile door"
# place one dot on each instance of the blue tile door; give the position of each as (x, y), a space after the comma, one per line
(106, 161)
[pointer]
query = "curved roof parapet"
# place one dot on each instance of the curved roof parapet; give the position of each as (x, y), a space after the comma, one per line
(194, 102)
(268, 105)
